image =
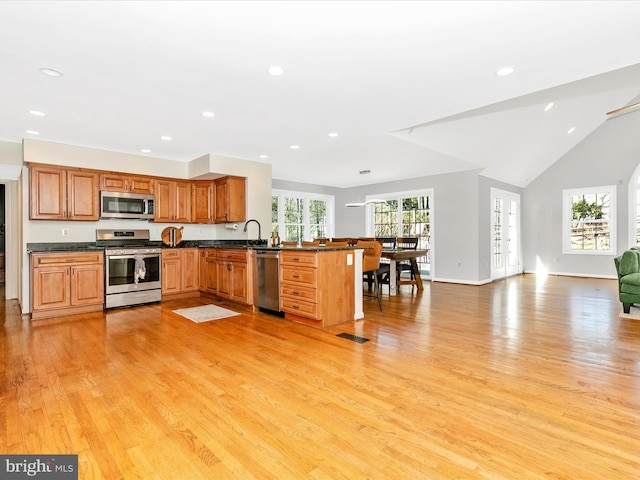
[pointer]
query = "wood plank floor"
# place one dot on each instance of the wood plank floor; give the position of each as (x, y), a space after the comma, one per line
(523, 378)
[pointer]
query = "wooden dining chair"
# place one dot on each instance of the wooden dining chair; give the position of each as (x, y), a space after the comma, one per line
(314, 243)
(371, 266)
(289, 244)
(406, 243)
(333, 243)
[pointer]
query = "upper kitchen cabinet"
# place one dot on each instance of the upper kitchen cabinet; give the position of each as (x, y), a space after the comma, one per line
(115, 182)
(172, 201)
(202, 201)
(230, 203)
(63, 194)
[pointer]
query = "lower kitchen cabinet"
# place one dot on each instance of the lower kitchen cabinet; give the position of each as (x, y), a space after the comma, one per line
(180, 273)
(234, 275)
(317, 287)
(209, 270)
(66, 283)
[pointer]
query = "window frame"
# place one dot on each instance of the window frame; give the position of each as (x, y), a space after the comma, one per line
(567, 218)
(307, 197)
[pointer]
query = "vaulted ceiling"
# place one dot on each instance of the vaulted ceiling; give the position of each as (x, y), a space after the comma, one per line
(410, 88)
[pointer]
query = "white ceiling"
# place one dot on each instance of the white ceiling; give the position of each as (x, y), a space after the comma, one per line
(409, 86)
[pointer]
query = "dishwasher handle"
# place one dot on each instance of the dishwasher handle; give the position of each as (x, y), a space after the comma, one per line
(264, 254)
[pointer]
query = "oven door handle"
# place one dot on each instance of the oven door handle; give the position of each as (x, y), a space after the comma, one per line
(124, 257)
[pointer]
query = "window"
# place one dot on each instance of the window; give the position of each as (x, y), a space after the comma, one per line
(298, 216)
(589, 221)
(405, 214)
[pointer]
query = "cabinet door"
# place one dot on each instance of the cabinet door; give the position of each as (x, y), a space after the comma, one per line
(51, 288)
(83, 195)
(202, 202)
(211, 275)
(171, 276)
(183, 202)
(164, 201)
(112, 182)
(238, 287)
(202, 270)
(224, 278)
(189, 269)
(141, 185)
(230, 199)
(48, 193)
(87, 285)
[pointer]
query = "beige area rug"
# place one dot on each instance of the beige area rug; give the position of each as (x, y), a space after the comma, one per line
(205, 313)
(634, 313)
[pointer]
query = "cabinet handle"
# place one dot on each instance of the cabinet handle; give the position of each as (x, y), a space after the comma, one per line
(295, 293)
(295, 306)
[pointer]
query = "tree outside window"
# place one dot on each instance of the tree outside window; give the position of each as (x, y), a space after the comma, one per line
(298, 216)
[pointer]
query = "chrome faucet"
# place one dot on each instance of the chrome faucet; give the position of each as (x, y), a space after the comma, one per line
(259, 228)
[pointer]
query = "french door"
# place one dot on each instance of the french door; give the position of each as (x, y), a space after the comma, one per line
(505, 231)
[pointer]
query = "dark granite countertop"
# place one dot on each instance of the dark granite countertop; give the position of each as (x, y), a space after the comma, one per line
(53, 247)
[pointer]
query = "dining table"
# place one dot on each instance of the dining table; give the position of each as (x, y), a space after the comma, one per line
(396, 255)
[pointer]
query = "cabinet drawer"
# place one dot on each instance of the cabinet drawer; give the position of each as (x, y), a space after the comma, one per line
(306, 309)
(211, 253)
(297, 292)
(170, 253)
(48, 259)
(233, 255)
(300, 275)
(307, 259)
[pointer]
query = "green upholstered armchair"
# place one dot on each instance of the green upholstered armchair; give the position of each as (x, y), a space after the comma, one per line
(628, 268)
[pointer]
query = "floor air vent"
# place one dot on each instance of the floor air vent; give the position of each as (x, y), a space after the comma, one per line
(354, 338)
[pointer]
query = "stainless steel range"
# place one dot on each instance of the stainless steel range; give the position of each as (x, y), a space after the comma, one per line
(132, 267)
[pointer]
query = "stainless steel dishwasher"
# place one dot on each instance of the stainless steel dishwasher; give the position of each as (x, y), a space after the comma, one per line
(266, 281)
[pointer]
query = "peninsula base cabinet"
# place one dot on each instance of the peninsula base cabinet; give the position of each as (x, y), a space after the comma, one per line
(317, 287)
(66, 283)
(180, 273)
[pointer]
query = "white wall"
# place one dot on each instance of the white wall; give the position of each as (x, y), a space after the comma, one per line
(608, 156)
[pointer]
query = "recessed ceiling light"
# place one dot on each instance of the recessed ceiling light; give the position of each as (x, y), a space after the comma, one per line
(548, 107)
(294, 147)
(275, 70)
(32, 132)
(264, 156)
(571, 130)
(166, 138)
(50, 72)
(145, 150)
(333, 134)
(37, 113)
(208, 114)
(505, 71)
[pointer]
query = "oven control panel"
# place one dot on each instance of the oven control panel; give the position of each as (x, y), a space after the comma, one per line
(133, 251)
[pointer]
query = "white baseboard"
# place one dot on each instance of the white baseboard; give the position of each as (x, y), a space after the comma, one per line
(568, 274)
(463, 282)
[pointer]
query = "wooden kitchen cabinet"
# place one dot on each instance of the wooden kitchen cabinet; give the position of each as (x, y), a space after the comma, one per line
(208, 270)
(115, 182)
(202, 202)
(234, 274)
(172, 201)
(180, 272)
(58, 193)
(230, 199)
(317, 287)
(66, 283)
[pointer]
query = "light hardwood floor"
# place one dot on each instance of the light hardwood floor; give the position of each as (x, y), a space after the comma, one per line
(520, 379)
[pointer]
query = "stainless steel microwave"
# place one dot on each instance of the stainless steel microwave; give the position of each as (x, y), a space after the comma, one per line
(126, 205)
